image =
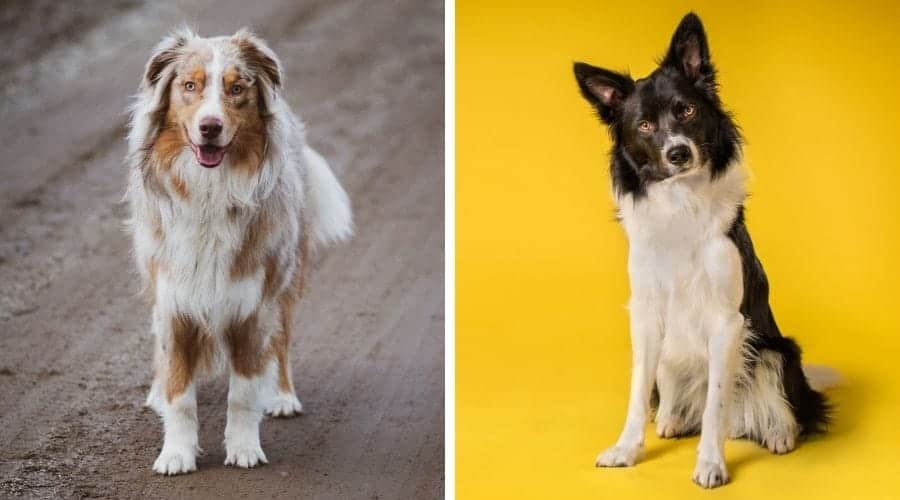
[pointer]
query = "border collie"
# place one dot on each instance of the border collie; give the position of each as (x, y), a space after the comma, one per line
(707, 352)
(226, 200)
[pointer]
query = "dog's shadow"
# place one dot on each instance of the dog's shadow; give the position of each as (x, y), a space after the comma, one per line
(662, 447)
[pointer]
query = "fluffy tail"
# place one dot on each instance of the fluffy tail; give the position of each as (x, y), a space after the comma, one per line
(331, 218)
(820, 377)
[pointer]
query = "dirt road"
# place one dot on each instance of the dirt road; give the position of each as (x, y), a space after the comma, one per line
(74, 338)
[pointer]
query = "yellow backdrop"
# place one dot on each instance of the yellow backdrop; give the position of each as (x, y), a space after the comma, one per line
(542, 334)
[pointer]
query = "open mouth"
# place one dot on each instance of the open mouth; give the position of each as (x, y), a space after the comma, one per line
(208, 155)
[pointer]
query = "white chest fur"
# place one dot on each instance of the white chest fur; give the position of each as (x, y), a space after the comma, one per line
(199, 251)
(204, 235)
(683, 268)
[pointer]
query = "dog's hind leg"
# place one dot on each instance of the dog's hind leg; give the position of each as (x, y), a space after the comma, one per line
(676, 415)
(281, 399)
(763, 414)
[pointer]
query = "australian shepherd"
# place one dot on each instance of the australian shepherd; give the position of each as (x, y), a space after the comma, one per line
(706, 350)
(226, 200)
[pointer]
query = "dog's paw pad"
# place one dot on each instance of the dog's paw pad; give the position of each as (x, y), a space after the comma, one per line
(619, 456)
(710, 474)
(175, 461)
(245, 457)
(284, 405)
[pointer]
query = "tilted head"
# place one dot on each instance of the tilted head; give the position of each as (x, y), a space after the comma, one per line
(668, 125)
(211, 97)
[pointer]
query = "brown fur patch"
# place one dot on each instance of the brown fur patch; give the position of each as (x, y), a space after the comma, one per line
(249, 257)
(196, 74)
(271, 281)
(180, 187)
(280, 347)
(248, 147)
(153, 271)
(168, 145)
(245, 345)
(230, 77)
(188, 344)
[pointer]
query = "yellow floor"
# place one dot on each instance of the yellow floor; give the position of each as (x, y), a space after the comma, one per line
(542, 334)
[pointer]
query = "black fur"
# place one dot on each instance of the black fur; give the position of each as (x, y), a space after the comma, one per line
(810, 408)
(685, 76)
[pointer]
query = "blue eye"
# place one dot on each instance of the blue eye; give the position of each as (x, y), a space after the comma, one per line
(190, 86)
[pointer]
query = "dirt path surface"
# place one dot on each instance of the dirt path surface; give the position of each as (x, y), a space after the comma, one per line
(75, 348)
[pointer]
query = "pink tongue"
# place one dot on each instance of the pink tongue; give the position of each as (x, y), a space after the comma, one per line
(210, 156)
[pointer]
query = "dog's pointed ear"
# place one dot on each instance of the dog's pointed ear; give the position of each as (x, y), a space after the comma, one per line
(605, 90)
(264, 64)
(689, 51)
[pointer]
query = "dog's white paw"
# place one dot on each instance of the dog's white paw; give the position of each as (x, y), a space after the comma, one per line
(175, 460)
(710, 474)
(619, 456)
(780, 442)
(284, 404)
(245, 456)
(669, 427)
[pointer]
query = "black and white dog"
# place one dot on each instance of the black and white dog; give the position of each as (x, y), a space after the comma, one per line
(702, 330)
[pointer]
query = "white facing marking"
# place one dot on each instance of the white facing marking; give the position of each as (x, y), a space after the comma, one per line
(212, 100)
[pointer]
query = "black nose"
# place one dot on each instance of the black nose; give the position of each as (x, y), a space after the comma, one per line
(210, 128)
(679, 155)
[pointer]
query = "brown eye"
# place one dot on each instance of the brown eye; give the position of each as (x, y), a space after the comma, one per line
(236, 89)
(645, 126)
(688, 111)
(190, 86)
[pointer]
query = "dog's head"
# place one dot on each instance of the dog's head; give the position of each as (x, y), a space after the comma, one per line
(669, 124)
(212, 96)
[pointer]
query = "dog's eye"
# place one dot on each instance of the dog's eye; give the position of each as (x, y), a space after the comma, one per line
(236, 89)
(645, 126)
(190, 86)
(688, 111)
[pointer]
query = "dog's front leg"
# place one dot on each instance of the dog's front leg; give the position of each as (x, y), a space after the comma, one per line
(180, 338)
(725, 342)
(245, 393)
(646, 342)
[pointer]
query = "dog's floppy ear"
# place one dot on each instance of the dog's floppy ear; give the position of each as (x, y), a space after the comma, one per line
(604, 89)
(158, 75)
(160, 64)
(265, 65)
(689, 52)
